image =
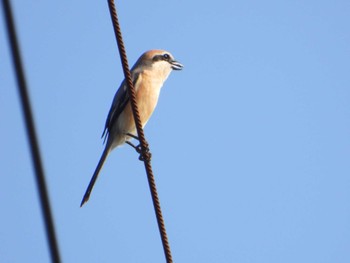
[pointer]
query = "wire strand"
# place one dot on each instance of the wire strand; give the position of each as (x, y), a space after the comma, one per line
(34, 146)
(144, 145)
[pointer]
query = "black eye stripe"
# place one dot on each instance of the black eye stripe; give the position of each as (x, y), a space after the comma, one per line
(165, 57)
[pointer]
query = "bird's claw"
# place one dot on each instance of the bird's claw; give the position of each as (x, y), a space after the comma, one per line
(145, 154)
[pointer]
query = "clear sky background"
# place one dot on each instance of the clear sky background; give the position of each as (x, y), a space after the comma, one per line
(250, 142)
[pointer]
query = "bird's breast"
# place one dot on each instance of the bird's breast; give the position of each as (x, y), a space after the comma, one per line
(147, 94)
(147, 90)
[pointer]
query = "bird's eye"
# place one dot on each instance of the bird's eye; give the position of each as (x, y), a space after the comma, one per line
(166, 56)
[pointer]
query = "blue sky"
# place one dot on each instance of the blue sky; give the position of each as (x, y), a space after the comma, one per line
(250, 141)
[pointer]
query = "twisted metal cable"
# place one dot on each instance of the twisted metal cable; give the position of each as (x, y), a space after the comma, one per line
(145, 155)
(34, 146)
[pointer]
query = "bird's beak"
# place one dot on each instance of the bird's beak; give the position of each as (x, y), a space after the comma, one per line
(176, 65)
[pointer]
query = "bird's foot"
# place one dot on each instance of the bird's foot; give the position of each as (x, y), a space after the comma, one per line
(145, 154)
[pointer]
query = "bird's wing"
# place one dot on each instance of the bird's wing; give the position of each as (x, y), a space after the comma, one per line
(120, 100)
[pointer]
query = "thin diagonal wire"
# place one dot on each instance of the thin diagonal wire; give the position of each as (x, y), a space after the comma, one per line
(141, 136)
(39, 172)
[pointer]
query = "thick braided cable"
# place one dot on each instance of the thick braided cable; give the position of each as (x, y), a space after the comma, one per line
(144, 145)
(31, 133)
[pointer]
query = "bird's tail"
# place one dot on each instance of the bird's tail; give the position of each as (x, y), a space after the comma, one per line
(94, 177)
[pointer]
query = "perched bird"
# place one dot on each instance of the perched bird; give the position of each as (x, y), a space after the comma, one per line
(148, 75)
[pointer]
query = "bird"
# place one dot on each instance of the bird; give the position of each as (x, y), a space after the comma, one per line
(148, 76)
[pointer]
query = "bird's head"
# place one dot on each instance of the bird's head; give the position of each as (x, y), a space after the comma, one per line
(158, 61)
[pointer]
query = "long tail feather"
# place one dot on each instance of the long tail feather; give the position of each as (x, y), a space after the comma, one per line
(94, 177)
